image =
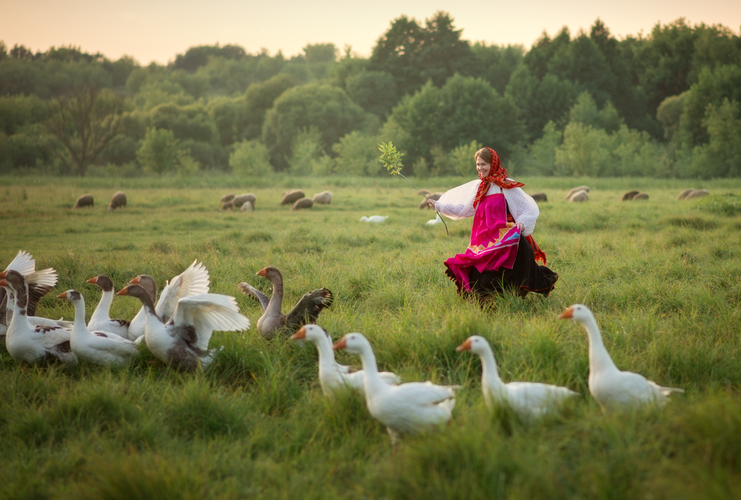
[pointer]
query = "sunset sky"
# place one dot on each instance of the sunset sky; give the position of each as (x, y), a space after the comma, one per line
(158, 30)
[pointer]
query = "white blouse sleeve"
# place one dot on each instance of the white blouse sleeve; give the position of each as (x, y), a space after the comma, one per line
(457, 203)
(523, 208)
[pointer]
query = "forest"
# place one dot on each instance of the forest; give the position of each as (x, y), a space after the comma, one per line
(663, 104)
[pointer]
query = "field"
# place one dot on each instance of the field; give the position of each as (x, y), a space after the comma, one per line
(662, 276)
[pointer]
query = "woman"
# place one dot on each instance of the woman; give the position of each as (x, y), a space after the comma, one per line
(502, 254)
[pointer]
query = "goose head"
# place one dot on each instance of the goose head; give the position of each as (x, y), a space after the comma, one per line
(476, 344)
(103, 282)
(147, 282)
(312, 333)
(71, 295)
(138, 291)
(354, 343)
(578, 312)
(270, 273)
(13, 279)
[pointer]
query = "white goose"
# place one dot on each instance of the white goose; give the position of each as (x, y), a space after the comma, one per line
(102, 348)
(406, 408)
(193, 281)
(529, 400)
(28, 342)
(182, 342)
(374, 218)
(101, 319)
(332, 375)
(614, 389)
(39, 283)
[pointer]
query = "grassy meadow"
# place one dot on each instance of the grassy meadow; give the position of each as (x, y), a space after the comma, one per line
(662, 276)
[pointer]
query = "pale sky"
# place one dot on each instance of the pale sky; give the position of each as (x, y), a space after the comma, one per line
(158, 30)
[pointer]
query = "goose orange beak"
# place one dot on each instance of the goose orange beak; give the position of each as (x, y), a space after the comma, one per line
(62, 295)
(262, 272)
(123, 291)
(299, 335)
(2, 275)
(3, 283)
(341, 344)
(567, 314)
(93, 280)
(135, 281)
(465, 346)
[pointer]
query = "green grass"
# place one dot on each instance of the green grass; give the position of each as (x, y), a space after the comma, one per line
(662, 276)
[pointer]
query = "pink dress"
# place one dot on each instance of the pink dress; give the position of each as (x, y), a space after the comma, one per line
(494, 241)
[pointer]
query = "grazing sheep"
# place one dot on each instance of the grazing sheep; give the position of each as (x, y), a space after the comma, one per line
(629, 195)
(86, 200)
(118, 201)
(641, 196)
(291, 197)
(576, 190)
(684, 194)
(227, 205)
(247, 207)
(539, 197)
(323, 198)
(433, 196)
(303, 203)
(239, 200)
(697, 193)
(579, 196)
(227, 197)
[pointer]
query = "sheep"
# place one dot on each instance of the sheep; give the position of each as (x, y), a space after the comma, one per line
(117, 201)
(239, 200)
(246, 207)
(684, 194)
(579, 196)
(227, 197)
(433, 196)
(86, 200)
(641, 196)
(576, 190)
(291, 196)
(227, 205)
(323, 198)
(627, 196)
(539, 197)
(303, 203)
(697, 193)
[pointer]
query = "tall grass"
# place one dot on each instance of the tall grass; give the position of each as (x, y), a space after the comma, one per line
(663, 278)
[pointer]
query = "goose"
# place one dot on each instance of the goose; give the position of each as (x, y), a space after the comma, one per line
(272, 320)
(435, 221)
(101, 320)
(529, 400)
(182, 342)
(39, 283)
(102, 348)
(611, 388)
(26, 341)
(408, 408)
(332, 375)
(374, 218)
(193, 281)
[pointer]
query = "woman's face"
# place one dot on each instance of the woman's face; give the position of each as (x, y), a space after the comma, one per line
(483, 167)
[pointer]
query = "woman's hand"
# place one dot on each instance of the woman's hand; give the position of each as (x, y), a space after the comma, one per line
(432, 204)
(520, 226)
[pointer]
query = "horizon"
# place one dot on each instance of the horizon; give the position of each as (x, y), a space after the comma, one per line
(158, 32)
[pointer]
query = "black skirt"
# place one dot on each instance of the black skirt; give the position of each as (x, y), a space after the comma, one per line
(525, 276)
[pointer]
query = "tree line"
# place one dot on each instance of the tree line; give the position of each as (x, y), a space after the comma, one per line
(663, 104)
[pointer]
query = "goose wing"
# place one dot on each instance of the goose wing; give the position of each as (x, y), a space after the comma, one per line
(424, 393)
(110, 342)
(207, 312)
(308, 308)
(194, 280)
(253, 292)
(24, 263)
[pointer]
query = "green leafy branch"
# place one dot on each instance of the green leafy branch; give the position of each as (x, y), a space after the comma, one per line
(391, 159)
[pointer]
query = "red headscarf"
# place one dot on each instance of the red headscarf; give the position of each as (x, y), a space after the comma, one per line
(497, 175)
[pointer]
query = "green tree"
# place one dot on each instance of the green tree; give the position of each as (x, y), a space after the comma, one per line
(84, 125)
(159, 152)
(306, 148)
(250, 159)
(325, 107)
(462, 158)
(495, 63)
(357, 154)
(585, 111)
(669, 113)
(374, 91)
(257, 100)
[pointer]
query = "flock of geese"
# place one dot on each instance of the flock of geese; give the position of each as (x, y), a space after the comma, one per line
(177, 328)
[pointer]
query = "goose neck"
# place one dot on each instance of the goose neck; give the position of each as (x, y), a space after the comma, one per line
(104, 306)
(599, 358)
(489, 370)
(276, 299)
